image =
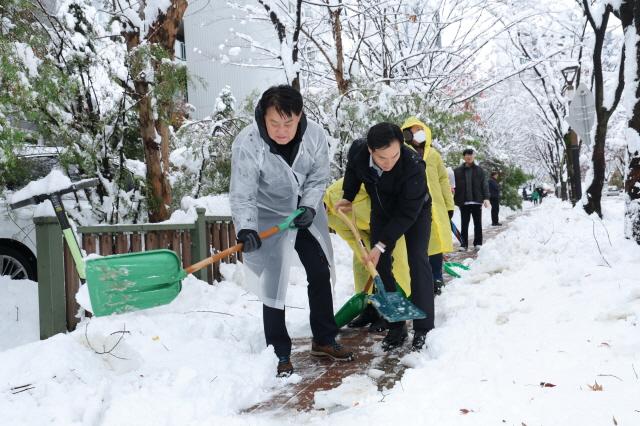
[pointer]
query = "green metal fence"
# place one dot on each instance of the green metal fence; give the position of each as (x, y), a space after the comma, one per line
(58, 281)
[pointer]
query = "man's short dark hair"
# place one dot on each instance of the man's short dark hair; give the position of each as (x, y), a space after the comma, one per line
(468, 151)
(494, 174)
(382, 135)
(284, 98)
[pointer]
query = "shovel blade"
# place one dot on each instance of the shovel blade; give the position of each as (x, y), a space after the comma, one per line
(129, 282)
(393, 306)
(351, 309)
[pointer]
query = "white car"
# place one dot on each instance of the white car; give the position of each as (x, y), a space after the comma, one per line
(17, 230)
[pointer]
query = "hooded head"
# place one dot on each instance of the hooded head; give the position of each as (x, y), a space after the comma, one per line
(420, 132)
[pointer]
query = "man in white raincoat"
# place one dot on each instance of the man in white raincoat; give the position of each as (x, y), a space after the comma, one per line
(278, 164)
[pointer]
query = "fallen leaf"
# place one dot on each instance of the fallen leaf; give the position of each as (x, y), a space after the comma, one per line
(596, 387)
(547, 385)
(156, 338)
(465, 411)
(605, 344)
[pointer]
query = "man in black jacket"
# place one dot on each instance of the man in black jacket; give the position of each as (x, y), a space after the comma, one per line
(394, 177)
(472, 191)
(494, 192)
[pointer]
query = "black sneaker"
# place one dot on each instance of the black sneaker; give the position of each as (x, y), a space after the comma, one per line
(437, 287)
(395, 338)
(419, 338)
(285, 368)
(368, 316)
(379, 325)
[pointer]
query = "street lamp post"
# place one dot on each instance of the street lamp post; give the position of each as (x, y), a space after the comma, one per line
(570, 74)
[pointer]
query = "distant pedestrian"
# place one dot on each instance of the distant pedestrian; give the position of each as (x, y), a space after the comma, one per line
(535, 197)
(472, 191)
(494, 193)
(524, 194)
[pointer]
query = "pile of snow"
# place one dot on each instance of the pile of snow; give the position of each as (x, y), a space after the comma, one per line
(542, 330)
(198, 360)
(18, 312)
(215, 205)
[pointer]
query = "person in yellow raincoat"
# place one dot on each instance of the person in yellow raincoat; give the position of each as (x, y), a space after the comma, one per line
(418, 136)
(362, 211)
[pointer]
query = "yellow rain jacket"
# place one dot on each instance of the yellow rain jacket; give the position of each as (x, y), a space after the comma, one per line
(362, 209)
(440, 191)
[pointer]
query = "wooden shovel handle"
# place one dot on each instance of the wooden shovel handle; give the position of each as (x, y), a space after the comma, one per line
(364, 253)
(367, 287)
(234, 249)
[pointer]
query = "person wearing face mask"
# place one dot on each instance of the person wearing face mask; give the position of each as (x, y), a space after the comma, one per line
(418, 136)
(394, 178)
(280, 163)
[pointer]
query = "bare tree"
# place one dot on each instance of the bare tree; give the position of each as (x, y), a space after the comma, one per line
(148, 45)
(630, 17)
(603, 112)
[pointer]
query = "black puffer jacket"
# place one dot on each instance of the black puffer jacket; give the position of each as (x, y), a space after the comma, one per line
(479, 190)
(397, 196)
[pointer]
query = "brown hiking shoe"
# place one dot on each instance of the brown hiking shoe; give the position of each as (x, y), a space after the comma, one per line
(333, 350)
(285, 368)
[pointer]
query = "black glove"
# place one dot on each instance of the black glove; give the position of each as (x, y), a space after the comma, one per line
(305, 219)
(250, 239)
(450, 214)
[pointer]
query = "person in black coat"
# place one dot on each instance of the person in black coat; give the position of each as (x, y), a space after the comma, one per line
(494, 198)
(395, 179)
(472, 191)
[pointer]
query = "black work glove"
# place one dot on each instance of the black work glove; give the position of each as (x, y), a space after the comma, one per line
(305, 219)
(250, 239)
(450, 214)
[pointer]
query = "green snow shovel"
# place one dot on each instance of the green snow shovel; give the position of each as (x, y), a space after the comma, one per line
(449, 268)
(354, 306)
(392, 306)
(132, 281)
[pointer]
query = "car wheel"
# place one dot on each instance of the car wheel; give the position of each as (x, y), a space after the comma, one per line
(17, 264)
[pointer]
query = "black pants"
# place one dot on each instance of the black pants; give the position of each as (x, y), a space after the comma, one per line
(323, 324)
(436, 261)
(495, 209)
(417, 240)
(466, 212)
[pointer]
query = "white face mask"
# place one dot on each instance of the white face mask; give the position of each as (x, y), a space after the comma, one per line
(420, 136)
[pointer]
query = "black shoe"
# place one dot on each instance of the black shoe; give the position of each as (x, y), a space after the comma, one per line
(496, 224)
(437, 287)
(368, 316)
(419, 338)
(285, 368)
(379, 325)
(395, 338)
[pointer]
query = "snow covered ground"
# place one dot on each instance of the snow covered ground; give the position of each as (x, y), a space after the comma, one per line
(18, 312)
(542, 330)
